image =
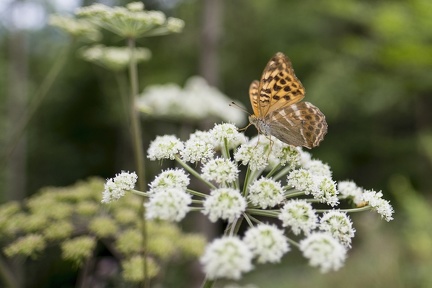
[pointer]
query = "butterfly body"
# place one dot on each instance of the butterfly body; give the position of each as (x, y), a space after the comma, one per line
(277, 108)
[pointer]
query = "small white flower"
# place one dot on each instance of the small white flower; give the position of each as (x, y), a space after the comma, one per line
(229, 133)
(171, 178)
(348, 189)
(302, 180)
(323, 251)
(135, 6)
(305, 157)
(170, 204)
(198, 147)
(381, 206)
(226, 257)
(299, 215)
(220, 170)
(116, 187)
(316, 167)
(286, 155)
(175, 25)
(339, 225)
(326, 191)
(266, 193)
(252, 154)
(164, 147)
(267, 243)
(224, 203)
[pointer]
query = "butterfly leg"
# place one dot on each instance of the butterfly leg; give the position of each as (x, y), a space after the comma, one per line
(244, 128)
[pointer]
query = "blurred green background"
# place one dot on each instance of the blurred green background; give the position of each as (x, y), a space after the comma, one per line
(366, 64)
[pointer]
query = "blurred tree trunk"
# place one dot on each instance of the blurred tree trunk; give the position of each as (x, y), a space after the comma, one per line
(17, 99)
(15, 168)
(211, 28)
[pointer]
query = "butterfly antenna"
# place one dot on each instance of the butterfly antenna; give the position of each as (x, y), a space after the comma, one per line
(233, 104)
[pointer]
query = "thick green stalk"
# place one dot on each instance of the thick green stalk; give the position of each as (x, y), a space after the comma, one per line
(138, 149)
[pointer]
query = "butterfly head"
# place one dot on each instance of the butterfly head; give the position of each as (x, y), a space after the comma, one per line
(260, 124)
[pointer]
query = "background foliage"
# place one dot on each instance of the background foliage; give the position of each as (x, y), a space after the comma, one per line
(366, 64)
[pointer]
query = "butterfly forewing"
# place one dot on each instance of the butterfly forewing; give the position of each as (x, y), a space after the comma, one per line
(254, 97)
(279, 86)
(277, 111)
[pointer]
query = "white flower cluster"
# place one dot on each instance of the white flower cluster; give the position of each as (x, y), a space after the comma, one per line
(196, 101)
(280, 182)
(113, 58)
(131, 21)
(81, 28)
(116, 187)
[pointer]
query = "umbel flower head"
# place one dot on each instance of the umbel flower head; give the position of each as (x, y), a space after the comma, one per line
(249, 181)
(113, 58)
(196, 101)
(77, 28)
(131, 21)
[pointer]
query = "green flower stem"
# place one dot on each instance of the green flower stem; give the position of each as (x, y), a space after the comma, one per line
(352, 210)
(247, 218)
(294, 243)
(225, 149)
(273, 171)
(294, 194)
(254, 219)
(198, 201)
(193, 172)
(268, 213)
(246, 181)
(196, 209)
(138, 150)
(282, 173)
(208, 283)
(196, 193)
(139, 193)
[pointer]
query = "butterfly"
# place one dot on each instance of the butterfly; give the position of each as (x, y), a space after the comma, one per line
(278, 112)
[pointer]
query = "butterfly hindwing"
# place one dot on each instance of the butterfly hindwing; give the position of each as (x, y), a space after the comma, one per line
(300, 124)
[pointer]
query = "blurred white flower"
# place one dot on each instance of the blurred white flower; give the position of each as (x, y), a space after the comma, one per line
(113, 58)
(224, 203)
(348, 189)
(326, 191)
(169, 204)
(265, 193)
(199, 147)
(299, 215)
(164, 147)
(267, 243)
(323, 251)
(227, 257)
(253, 155)
(318, 168)
(227, 132)
(220, 170)
(197, 101)
(171, 178)
(131, 21)
(380, 205)
(116, 187)
(81, 28)
(339, 225)
(302, 180)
